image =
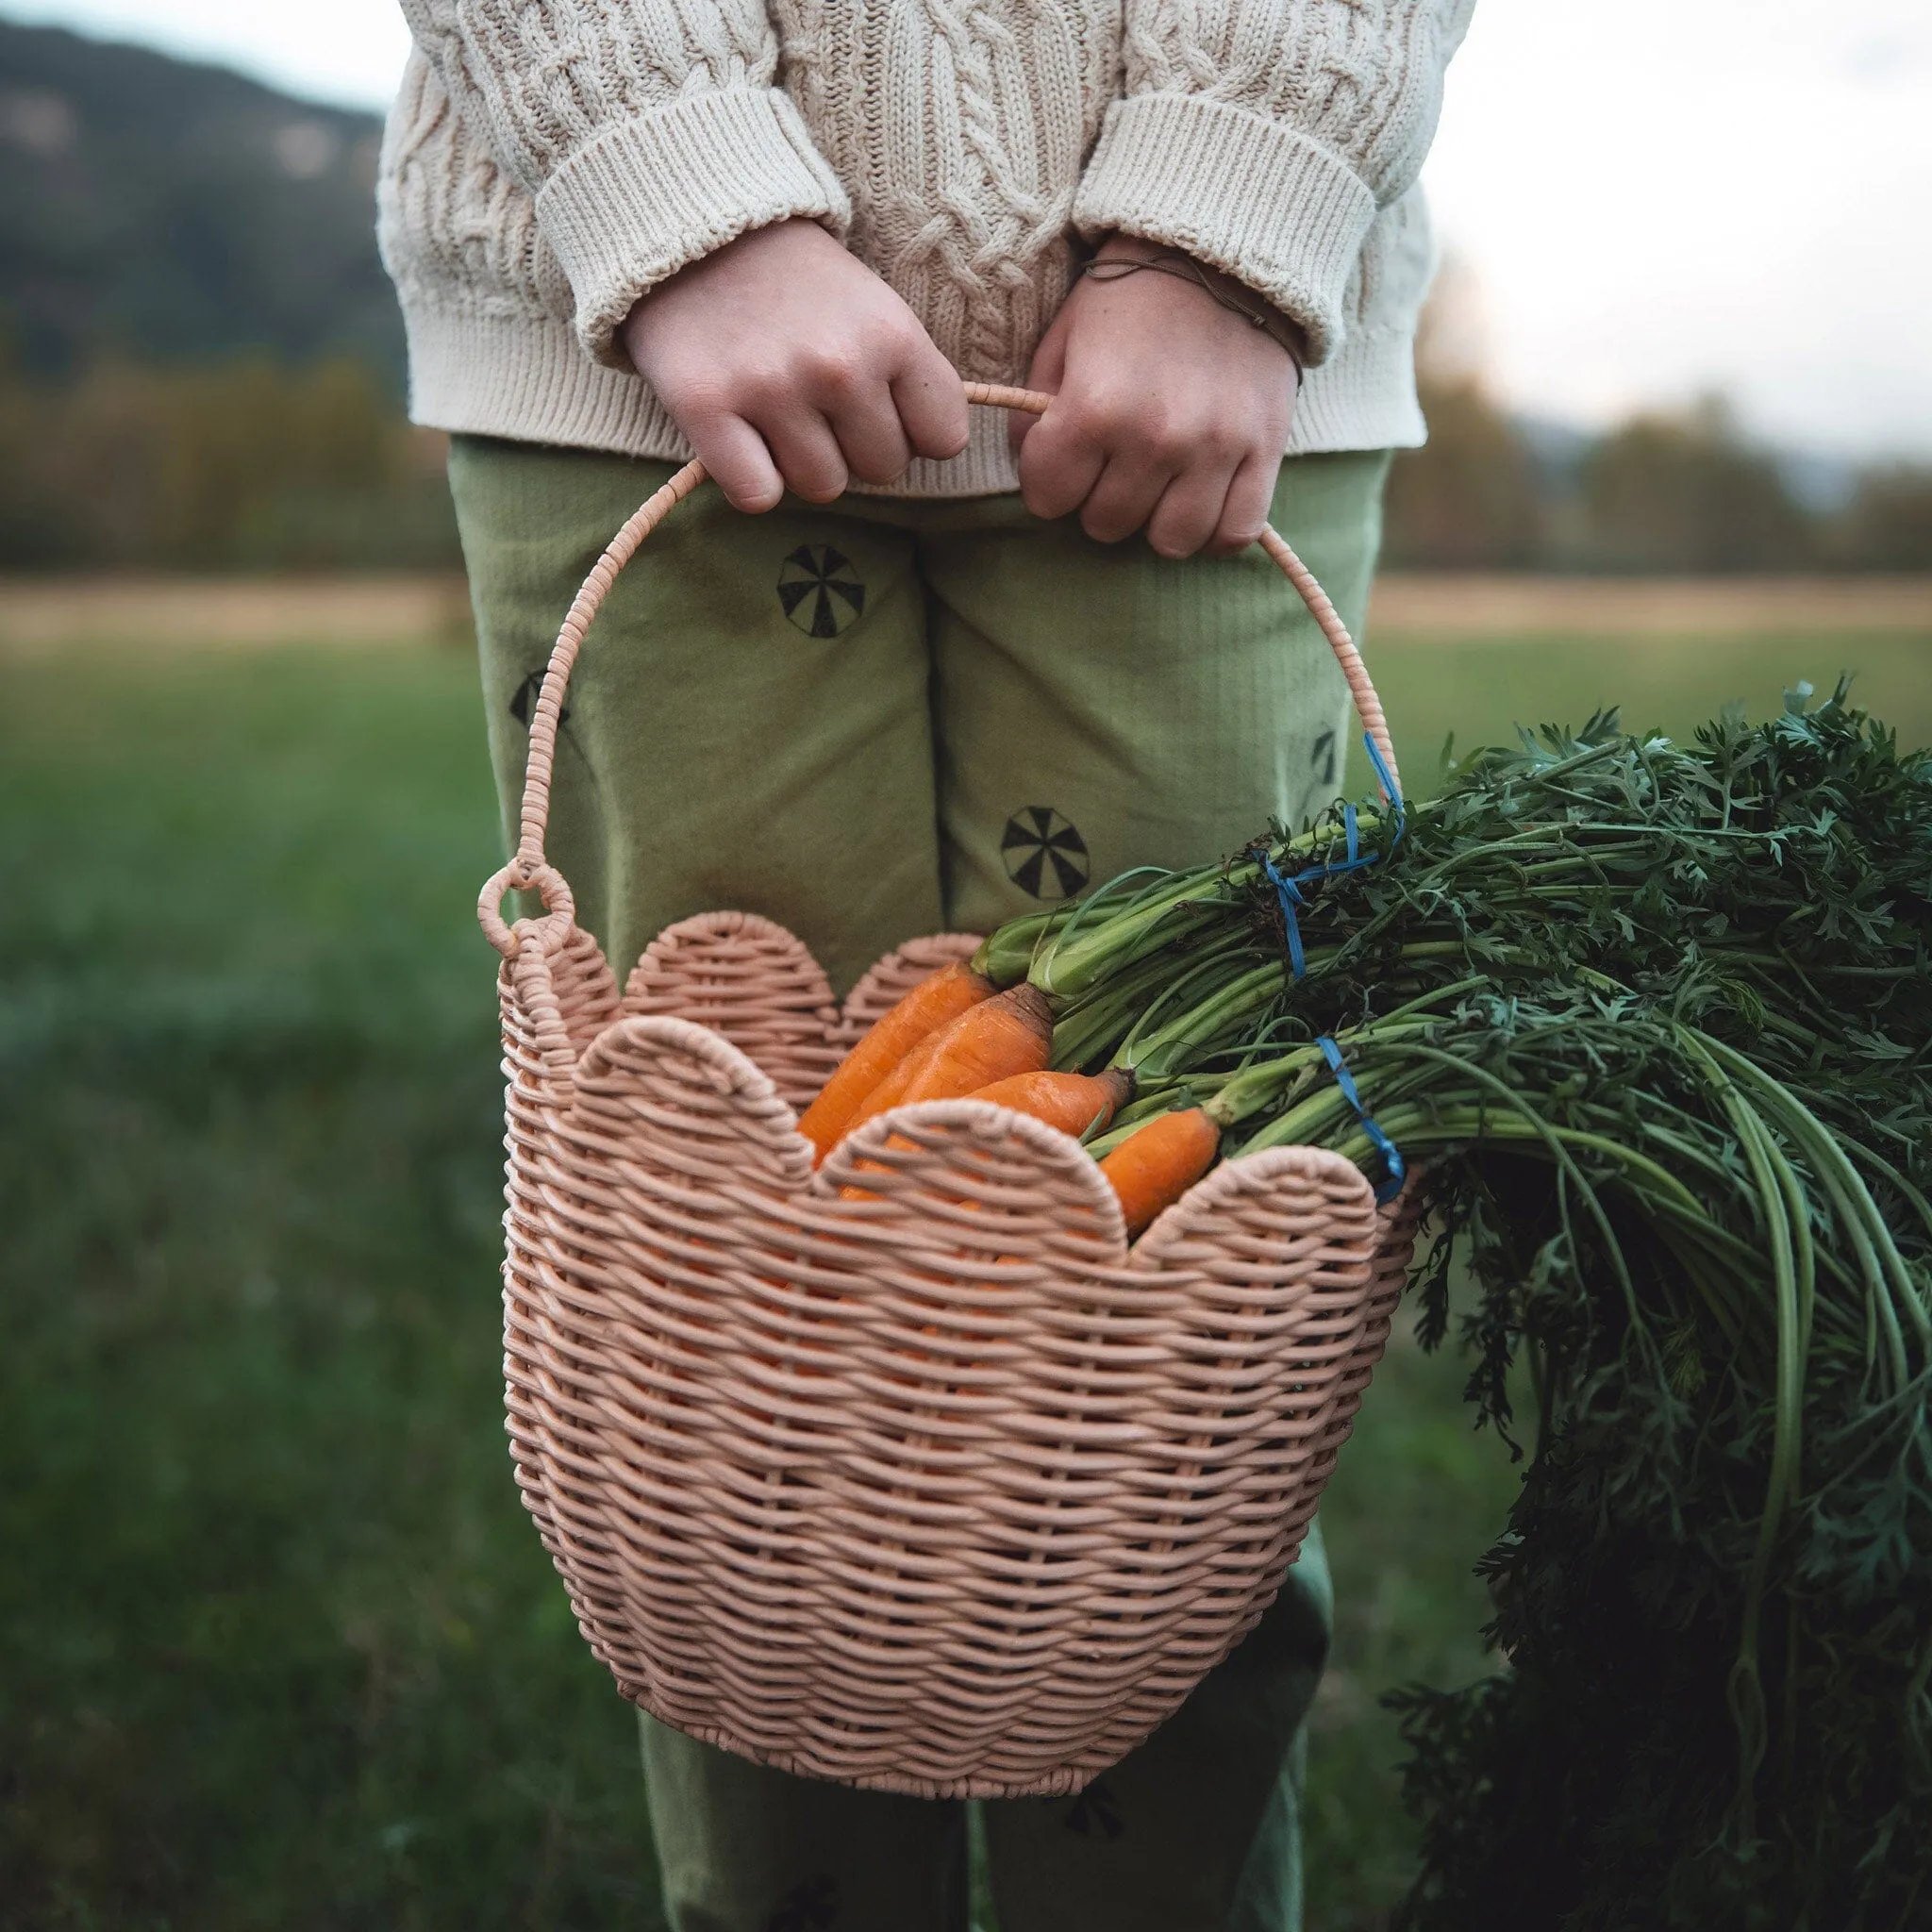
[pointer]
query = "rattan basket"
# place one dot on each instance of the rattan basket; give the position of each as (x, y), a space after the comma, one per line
(947, 1490)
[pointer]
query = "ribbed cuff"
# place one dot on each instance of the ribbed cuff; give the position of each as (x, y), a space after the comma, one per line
(1363, 398)
(1260, 200)
(650, 195)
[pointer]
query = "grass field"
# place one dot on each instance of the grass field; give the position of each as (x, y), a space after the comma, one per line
(281, 1649)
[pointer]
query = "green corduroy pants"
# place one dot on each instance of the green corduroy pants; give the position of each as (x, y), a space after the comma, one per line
(872, 720)
(886, 717)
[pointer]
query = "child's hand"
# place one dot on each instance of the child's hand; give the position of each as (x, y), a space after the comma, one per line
(1169, 412)
(788, 363)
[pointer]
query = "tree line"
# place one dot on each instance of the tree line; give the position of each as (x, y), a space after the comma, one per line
(247, 464)
(255, 464)
(1662, 494)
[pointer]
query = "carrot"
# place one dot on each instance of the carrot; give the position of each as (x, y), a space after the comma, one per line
(939, 998)
(1071, 1102)
(1157, 1164)
(1011, 1033)
(891, 1090)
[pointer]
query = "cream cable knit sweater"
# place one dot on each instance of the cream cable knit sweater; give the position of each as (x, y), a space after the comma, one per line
(549, 161)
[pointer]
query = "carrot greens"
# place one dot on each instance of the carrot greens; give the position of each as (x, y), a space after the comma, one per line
(1651, 1026)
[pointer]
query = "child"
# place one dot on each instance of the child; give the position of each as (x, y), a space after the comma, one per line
(925, 685)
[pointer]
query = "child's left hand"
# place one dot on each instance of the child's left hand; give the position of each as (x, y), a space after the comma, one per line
(1170, 413)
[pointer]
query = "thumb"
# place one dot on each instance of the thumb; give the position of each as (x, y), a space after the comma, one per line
(1048, 370)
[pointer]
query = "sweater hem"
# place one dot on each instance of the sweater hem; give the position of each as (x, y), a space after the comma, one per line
(524, 378)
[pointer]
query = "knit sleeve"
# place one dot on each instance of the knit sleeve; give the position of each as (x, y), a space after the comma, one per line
(1262, 136)
(648, 132)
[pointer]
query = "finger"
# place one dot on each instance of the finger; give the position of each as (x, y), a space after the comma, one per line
(1058, 467)
(1124, 498)
(931, 401)
(1244, 513)
(869, 438)
(807, 455)
(735, 457)
(1190, 510)
(1047, 374)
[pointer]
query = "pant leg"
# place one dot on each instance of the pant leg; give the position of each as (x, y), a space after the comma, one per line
(749, 724)
(1100, 708)
(743, 1848)
(1199, 1829)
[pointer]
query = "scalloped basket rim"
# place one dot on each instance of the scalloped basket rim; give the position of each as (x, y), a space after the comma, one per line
(1064, 1155)
(1063, 1150)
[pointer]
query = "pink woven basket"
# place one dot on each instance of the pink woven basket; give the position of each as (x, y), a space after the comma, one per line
(948, 1490)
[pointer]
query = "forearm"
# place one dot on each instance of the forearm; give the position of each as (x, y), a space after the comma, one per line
(649, 132)
(1262, 136)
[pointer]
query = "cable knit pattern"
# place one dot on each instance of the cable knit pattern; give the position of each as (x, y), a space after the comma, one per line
(547, 161)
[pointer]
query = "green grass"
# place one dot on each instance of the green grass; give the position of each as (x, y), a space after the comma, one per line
(1433, 686)
(282, 1649)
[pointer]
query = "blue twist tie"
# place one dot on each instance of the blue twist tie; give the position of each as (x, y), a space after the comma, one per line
(1393, 1165)
(1288, 888)
(1289, 892)
(1386, 779)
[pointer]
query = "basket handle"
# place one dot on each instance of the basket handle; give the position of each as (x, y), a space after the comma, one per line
(529, 869)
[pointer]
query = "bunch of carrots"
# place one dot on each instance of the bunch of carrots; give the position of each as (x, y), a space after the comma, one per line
(955, 1036)
(1647, 1026)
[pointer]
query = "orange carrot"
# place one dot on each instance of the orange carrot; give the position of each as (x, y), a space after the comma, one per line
(1011, 1033)
(939, 998)
(891, 1090)
(1071, 1102)
(1157, 1164)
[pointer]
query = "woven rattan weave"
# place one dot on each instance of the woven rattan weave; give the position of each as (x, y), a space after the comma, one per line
(945, 1490)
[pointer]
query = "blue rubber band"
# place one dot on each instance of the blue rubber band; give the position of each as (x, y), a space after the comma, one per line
(1390, 789)
(1288, 890)
(1394, 1166)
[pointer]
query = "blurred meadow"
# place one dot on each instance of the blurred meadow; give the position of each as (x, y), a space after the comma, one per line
(284, 1651)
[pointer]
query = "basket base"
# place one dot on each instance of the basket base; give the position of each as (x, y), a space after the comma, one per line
(1063, 1782)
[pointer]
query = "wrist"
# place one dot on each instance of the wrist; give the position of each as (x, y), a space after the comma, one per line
(718, 277)
(1229, 291)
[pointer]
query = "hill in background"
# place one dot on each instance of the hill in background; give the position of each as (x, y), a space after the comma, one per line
(157, 210)
(201, 359)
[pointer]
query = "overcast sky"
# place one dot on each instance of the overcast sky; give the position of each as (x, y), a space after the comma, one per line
(1653, 199)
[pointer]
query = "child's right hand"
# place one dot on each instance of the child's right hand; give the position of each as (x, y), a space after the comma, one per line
(790, 364)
